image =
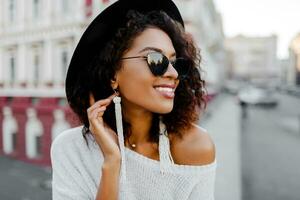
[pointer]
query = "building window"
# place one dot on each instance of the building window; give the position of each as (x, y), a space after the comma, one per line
(12, 67)
(12, 10)
(64, 62)
(65, 6)
(36, 8)
(36, 68)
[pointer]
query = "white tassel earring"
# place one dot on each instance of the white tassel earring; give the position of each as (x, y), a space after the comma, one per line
(118, 113)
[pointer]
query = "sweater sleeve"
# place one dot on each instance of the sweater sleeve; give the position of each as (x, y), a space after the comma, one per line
(66, 179)
(205, 187)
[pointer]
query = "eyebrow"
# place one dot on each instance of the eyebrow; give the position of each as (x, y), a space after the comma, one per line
(155, 49)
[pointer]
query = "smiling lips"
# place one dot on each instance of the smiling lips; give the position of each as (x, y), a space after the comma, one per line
(168, 91)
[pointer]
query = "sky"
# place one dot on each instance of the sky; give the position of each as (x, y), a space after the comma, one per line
(262, 18)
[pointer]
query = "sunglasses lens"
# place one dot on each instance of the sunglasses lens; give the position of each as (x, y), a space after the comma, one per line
(181, 66)
(158, 63)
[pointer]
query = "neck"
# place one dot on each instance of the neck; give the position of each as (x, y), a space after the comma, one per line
(140, 121)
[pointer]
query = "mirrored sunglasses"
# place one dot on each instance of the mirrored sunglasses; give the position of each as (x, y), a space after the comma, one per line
(158, 64)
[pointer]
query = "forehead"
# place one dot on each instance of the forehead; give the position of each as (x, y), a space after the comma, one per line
(152, 37)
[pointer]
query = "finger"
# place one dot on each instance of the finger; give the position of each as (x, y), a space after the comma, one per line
(104, 101)
(92, 99)
(97, 112)
(100, 103)
(113, 95)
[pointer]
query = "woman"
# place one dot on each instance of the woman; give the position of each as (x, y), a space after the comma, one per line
(134, 82)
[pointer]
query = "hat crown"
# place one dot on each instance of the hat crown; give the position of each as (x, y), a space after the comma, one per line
(142, 1)
(142, 5)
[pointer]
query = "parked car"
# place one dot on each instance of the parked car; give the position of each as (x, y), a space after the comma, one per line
(293, 90)
(233, 87)
(257, 96)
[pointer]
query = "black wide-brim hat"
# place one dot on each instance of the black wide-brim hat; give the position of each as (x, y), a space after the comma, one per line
(102, 29)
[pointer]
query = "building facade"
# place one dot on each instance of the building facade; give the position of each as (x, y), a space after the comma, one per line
(253, 59)
(293, 71)
(37, 39)
(204, 23)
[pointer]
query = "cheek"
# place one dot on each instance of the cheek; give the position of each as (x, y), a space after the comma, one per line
(136, 88)
(140, 93)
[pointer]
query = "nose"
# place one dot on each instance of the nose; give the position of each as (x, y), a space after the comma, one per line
(171, 72)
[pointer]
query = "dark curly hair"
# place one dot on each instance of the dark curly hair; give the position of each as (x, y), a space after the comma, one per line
(189, 95)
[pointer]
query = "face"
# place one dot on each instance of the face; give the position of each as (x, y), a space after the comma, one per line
(138, 87)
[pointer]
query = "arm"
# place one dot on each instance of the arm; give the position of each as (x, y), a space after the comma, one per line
(108, 142)
(68, 182)
(109, 184)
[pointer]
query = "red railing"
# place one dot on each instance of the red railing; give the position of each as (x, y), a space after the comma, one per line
(43, 109)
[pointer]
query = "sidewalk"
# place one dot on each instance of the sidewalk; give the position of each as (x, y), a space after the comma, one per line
(23, 181)
(223, 124)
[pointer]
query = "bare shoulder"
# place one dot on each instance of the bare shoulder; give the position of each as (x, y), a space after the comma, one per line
(195, 148)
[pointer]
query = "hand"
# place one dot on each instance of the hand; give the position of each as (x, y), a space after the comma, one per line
(105, 137)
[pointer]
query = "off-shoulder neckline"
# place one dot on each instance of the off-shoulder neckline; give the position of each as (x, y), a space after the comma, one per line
(155, 163)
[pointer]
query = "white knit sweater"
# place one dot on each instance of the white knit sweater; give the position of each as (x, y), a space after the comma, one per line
(77, 171)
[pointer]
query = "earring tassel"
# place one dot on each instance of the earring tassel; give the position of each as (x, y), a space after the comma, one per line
(118, 112)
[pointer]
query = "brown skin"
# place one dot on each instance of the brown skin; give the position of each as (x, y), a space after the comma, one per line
(195, 148)
(139, 100)
(107, 140)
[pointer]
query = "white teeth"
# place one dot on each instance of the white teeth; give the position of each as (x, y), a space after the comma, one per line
(165, 89)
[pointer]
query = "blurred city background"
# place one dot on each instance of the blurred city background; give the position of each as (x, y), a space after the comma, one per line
(250, 59)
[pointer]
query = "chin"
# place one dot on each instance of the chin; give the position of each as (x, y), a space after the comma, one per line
(164, 110)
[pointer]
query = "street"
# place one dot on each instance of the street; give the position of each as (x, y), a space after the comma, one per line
(22, 181)
(270, 141)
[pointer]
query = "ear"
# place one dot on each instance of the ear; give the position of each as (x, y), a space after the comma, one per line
(114, 83)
